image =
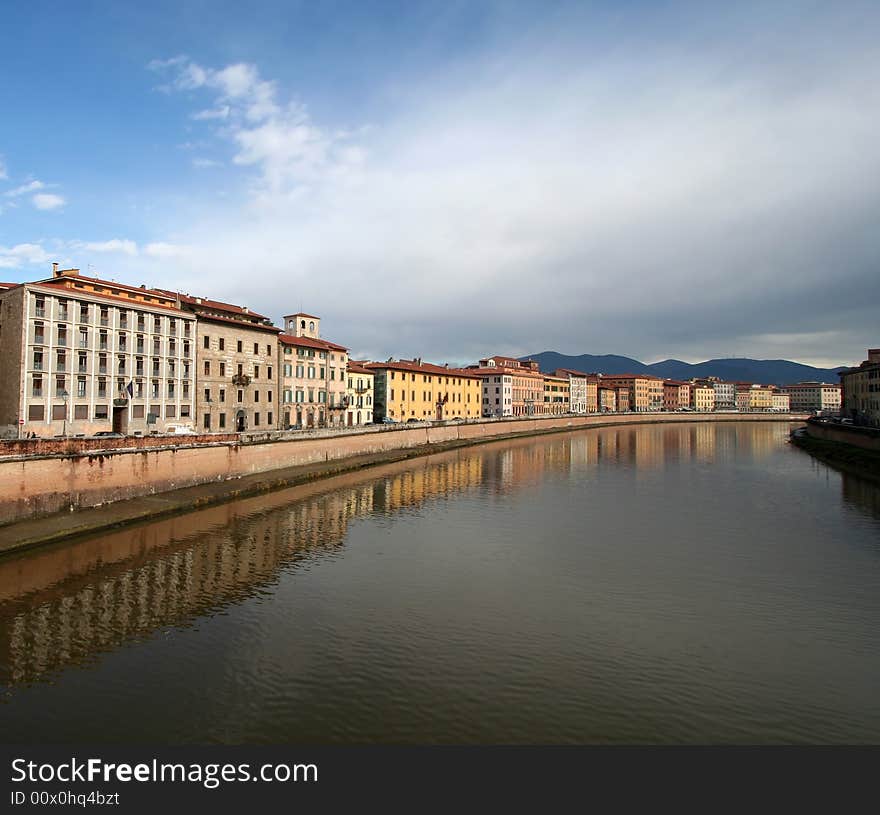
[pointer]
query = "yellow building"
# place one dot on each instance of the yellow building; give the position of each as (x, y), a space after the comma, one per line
(413, 390)
(702, 397)
(557, 395)
(760, 397)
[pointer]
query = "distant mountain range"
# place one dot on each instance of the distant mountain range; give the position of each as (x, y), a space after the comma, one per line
(764, 371)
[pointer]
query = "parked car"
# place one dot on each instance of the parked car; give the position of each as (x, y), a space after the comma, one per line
(108, 434)
(388, 420)
(413, 421)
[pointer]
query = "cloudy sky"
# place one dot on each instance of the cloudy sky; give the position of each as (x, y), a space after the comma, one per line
(450, 180)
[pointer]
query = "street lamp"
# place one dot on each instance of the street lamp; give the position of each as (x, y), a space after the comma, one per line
(65, 395)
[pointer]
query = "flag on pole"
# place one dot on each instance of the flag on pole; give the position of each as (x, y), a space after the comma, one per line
(130, 389)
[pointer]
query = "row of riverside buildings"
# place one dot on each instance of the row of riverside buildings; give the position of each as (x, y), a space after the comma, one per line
(80, 355)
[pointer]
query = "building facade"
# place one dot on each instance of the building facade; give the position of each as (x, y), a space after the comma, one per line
(860, 389)
(510, 387)
(359, 405)
(314, 383)
(645, 391)
(814, 396)
(607, 399)
(578, 390)
(781, 402)
(236, 367)
(725, 394)
(80, 355)
(702, 397)
(556, 395)
(408, 390)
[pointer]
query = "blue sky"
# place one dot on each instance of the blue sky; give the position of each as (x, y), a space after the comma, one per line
(457, 179)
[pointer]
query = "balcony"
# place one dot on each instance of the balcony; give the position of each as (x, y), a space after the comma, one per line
(241, 379)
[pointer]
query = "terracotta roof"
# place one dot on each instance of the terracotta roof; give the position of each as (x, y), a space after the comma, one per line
(631, 376)
(570, 372)
(63, 278)
(422, 367)
(502, 370)
(201, 302)
(308, 342)
(214, 318)
(303, 314)
(113, 298)
(7, 286)
(355, 368)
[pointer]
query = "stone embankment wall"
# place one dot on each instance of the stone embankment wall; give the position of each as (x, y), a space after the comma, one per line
(39, 478)
(864, 437)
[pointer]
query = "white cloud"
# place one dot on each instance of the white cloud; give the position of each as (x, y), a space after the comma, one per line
(47, 201)
(125, 247)
(22, 254)
(221, 112)
(30, 186)
(163, 251)
(691, 196)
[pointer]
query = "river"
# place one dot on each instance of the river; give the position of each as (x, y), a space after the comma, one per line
(692, 583)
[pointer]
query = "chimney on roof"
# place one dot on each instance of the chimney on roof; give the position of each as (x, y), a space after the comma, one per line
(54, 270)
(245, 309)
(418, 360)
(198, 300)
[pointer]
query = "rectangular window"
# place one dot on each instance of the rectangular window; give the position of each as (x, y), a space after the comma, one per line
(81, 387)
(256, 371)
(62, 309)
(239, 346)
(38, 360)
(222, 369)
(240, 396)
(207, 368)
(83, 313)
(206, 421)
(36, 413)
(39, 337)
(222, 395)
(269, 353)
(82, 411)
(207, 394)
(157, 325)
(256, 396)
(102, 386)
(269, 418)
(269, 396)
(62, 335)
(206, 341)
(256, 348)
(37, 386)
(222, 420)
(101, 411)
(269, 373)
(171, 411)
(256, 419)
(222, 343)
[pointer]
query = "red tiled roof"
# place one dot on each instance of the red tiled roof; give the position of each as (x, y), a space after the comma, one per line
(422, 367)
(113, 298)
(112, 284)
(570, 372)
(303, 314)
(214, 318)
(631, 376)
(355, 368)
(201, 302)
(7, 286)
(308, 342)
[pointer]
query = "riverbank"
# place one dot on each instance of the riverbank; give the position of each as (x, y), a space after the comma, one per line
(114, 488)
(842, 456)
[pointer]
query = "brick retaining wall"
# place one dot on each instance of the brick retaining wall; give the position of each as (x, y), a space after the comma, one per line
(79, 473)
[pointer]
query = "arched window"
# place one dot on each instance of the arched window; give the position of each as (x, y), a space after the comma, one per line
(311, 325)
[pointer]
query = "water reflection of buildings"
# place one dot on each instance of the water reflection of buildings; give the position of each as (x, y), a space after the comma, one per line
(64, 606)
(861, 494)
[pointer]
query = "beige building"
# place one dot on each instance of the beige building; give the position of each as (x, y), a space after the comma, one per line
(607, 399)
(580, 390)
(313, 375)
(861, 391)
(80, 355)
(236, 367)
(413, 390)
(807, 397)
(645, 391)
(359, 403)
(781, 402)
(510, 387)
